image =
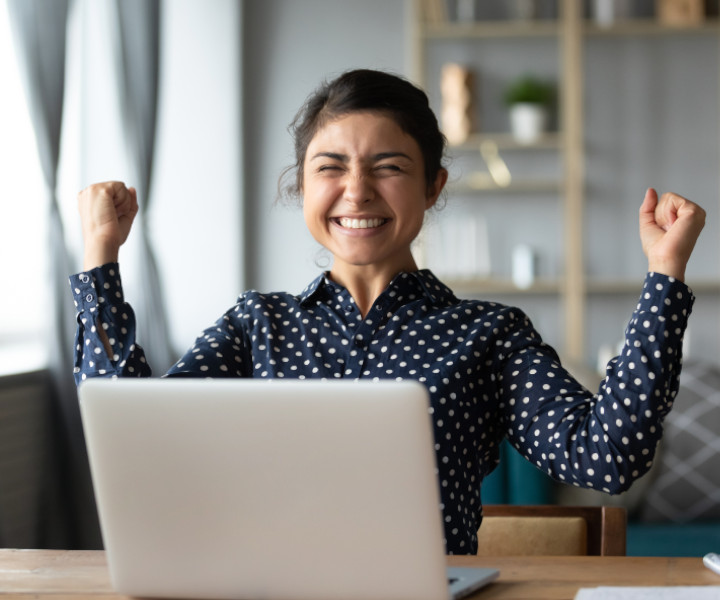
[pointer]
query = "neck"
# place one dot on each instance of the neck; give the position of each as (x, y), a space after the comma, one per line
(365, 284)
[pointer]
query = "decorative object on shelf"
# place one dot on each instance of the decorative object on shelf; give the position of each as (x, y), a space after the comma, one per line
(529, 100)
(497, 167)
(458, 107)
(607, 12)
(524, 266)
(497, 175)
(680, 12)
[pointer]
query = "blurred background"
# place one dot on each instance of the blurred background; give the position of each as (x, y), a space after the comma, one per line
(190, 101)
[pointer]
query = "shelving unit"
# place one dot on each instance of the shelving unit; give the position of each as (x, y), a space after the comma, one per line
(482, 184)
(650, 27)
(573, 283)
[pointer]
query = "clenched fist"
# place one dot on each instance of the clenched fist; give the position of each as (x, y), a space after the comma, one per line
(107, 211)
(669, 228)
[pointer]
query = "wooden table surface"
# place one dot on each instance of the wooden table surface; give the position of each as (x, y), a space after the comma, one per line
(531, 578)
(26, 574)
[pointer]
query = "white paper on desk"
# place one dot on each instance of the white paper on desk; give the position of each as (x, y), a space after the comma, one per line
(693, 592)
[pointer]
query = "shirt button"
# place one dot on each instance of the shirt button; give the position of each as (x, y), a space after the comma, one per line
(84, 278)
(89, 298)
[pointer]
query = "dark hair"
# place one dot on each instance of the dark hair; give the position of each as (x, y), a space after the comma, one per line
(373, 91)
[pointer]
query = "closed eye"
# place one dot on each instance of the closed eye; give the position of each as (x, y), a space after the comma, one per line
(328, 168)
(389, 168)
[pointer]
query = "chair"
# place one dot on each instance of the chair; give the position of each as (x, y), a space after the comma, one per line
(510, 530)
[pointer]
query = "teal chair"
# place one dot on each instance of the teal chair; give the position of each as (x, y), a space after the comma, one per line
(516, 481)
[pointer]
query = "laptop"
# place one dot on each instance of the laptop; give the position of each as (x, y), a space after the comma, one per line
(290, 490)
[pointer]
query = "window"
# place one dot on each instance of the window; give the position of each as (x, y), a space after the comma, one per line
(23, 223)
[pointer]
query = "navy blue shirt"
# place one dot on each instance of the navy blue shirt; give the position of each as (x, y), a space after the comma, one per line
(489, 374)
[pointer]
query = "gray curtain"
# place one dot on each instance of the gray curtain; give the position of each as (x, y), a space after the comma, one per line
(139, 48)
(39, 32)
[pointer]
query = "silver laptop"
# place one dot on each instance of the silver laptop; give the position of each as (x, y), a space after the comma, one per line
(269, 489)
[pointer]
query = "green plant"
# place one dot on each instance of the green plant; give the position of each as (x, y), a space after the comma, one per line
(529, 89)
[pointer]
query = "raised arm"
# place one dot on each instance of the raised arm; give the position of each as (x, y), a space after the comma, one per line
(607, 440)
(105, 341)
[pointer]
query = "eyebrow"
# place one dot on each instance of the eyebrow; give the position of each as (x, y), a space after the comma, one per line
(375, 157)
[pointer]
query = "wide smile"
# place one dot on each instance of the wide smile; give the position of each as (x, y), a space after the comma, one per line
(353, 223)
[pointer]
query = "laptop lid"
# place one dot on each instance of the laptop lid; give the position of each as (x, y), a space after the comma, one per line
(275, 489)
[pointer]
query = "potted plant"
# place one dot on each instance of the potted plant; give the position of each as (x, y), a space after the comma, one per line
(529, 100)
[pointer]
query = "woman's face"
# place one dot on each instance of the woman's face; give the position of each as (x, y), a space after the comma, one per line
(364, 192)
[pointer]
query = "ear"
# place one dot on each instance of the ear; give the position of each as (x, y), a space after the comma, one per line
(434, 191)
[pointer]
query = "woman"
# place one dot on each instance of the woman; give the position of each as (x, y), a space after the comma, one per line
(368, 166)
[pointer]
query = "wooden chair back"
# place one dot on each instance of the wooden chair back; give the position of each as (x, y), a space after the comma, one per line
(509, 530)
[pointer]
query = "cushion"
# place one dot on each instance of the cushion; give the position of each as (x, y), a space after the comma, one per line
(524, 536)
(686, 481)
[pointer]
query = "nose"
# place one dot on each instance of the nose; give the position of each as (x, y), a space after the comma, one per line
(358, 189)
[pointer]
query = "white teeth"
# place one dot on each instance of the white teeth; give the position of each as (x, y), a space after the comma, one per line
(360, 223)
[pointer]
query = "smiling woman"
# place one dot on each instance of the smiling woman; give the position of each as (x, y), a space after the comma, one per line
(365, 197)
(368, 168)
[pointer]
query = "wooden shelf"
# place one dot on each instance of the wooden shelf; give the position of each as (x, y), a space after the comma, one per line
(500, 287)
(649, 27)
(482, 184)
(548, 28)
(612, 287)
(491, 29)
(506, 141)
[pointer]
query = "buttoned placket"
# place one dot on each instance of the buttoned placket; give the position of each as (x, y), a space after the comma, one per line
(365, 332)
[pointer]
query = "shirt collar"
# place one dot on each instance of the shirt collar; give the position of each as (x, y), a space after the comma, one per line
(422, 281)
(433, 288)
(315, 287)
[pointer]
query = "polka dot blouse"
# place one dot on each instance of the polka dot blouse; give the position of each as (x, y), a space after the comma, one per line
(489, 374)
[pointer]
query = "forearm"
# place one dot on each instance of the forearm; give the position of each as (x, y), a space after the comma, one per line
(99, 253)
(105, 340)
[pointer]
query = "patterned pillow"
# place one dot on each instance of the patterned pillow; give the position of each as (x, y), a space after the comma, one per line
(686, 480)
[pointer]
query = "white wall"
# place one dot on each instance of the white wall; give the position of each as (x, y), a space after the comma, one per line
(198, 200)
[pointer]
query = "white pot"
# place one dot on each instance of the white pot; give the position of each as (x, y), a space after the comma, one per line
(528, 121)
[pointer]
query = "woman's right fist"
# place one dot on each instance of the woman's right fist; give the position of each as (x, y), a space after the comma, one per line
(107, 211)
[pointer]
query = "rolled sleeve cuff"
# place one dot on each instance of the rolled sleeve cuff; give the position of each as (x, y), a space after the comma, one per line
(101, 285)
(666, 296)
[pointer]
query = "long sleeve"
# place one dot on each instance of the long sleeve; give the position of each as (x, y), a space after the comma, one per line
(606, 440)
(100, 303)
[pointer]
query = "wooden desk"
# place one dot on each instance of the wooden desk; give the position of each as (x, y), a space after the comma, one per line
(26, 574)
(555, 578)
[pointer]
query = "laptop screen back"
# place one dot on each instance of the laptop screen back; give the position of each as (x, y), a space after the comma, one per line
(249, 488)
